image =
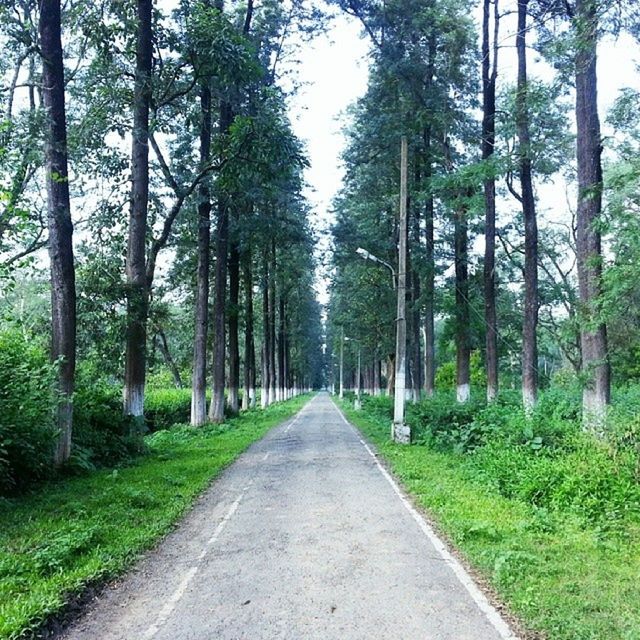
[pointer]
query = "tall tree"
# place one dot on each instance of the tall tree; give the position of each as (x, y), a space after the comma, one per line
(489, 79)
(63, 287)
(530, 319)
(137, 290)
(595, 357)
(199, 390)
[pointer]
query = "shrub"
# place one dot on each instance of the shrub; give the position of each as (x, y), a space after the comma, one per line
(27, 406)
(166, 407)
(100, 431)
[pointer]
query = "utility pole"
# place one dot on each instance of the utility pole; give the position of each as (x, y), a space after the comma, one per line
(401, 432)
(341, 396)
(358, 403)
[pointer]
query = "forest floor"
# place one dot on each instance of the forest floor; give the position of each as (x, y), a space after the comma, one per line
(61, 543)
(305, 536)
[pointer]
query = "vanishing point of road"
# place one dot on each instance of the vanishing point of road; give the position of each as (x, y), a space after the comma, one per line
(305, 536)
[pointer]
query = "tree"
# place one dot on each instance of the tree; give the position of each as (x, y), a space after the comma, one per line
(595, 356)
(489, 79)
(137, 289)
(527, 197)
(63, 292)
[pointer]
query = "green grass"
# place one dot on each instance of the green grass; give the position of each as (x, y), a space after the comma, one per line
(565, 580)
(82, 531)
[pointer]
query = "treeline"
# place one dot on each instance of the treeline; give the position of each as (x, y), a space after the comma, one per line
(154, 159)
(500, 291)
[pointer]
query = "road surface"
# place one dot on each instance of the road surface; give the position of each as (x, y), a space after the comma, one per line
(306, 536)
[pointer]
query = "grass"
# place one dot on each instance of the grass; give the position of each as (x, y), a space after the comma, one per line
(563, 579)
(80, 532)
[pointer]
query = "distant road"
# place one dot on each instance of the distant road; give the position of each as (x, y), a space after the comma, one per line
(304, 537)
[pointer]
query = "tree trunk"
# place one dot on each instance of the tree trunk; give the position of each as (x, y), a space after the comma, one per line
(216, 409)
(249, 395)
(463, 354)
(429, 279)
(489, 77)
(168, 359)
(199, 387)
(234, 308)
(272, 325)
(266, 339)
(416, 356)
(530, 321)
(137, 288)
(391, 375)
(281, 349)
(63, 286)
(595, 359)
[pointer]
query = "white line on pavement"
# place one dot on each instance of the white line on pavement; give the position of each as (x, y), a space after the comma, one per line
(460, 572)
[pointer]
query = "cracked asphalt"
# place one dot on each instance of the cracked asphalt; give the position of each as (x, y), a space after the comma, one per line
(305, 536)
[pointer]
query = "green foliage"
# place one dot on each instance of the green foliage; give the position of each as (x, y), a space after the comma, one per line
(85, 530)
(446, 373)
(27, 405)
(546, 513)
(165, 407)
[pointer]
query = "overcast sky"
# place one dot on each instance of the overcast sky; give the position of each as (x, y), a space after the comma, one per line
(334, 70)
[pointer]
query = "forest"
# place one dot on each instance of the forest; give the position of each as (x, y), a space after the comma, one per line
(153, 161)
(161, 281)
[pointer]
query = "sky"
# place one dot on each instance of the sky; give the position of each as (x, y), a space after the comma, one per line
(334, 71)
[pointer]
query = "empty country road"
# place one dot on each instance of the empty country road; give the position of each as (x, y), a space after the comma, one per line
(304, 537)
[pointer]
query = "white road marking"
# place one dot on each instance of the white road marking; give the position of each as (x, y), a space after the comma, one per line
(460, 572)
(171, 603)
(266, 456)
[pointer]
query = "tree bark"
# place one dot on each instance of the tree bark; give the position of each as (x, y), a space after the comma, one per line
(249, 395)
(272, 325)
(266, 328)
(530, 320)
(595, 358)
(216, 409)
(199, 385)
(168, 359)
(463, 353)
(489, 78)
(63, 287)
(281, 349)
(234, 309)
(137, 288)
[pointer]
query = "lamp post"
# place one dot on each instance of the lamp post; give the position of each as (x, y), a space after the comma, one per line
(400, 432)
(363, 253)
(341, 395)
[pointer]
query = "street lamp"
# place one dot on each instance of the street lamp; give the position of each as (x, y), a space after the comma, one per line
(363, 253)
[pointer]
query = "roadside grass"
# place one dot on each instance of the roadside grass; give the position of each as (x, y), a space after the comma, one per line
(563, 579)
(79, 532)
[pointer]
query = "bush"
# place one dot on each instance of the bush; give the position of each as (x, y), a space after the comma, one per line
(545, 460)
(101, 434)
(27, 407)
(166, 407)
(443, 423)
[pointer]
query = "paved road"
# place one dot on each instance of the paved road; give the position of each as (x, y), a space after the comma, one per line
(304, 537)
